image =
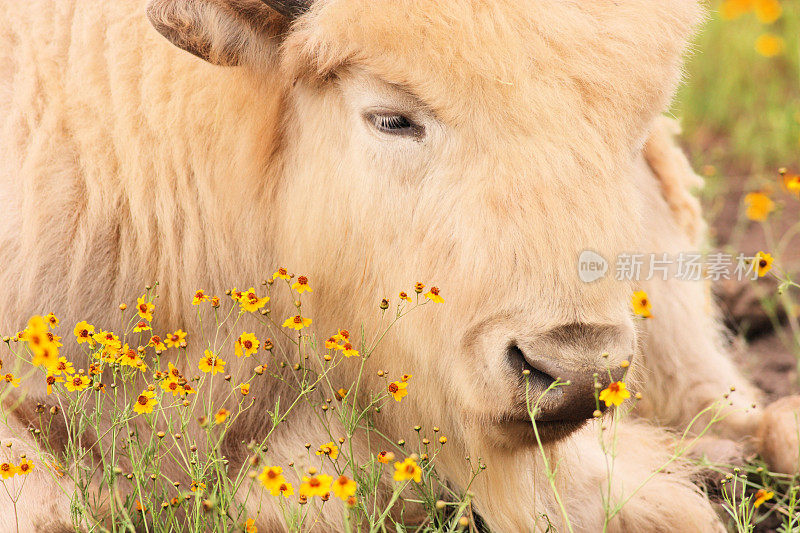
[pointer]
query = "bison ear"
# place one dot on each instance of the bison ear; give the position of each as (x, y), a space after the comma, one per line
(223, 32)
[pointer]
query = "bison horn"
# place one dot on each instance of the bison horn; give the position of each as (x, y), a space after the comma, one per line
(290, 9)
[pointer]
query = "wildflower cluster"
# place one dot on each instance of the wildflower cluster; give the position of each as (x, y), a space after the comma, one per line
(162, 426)
(767, 12)
(9, 470)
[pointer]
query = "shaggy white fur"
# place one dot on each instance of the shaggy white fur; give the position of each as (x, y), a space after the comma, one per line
(126, 160)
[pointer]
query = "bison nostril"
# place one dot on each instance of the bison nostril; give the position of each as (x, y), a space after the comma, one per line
(520, 364)
(572, 400)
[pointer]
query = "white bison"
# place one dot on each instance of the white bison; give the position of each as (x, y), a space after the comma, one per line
(481, 144)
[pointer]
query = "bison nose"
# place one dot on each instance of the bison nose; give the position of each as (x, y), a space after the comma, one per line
(559, 395)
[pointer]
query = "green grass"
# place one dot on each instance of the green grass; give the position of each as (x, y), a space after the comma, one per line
(741, 111)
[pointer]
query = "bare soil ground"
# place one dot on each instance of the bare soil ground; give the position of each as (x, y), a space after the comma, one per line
(765, 353)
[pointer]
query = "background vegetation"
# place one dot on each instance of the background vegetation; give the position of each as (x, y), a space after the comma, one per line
(740, 109)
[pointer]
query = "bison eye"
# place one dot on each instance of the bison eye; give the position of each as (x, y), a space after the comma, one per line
(394, 124)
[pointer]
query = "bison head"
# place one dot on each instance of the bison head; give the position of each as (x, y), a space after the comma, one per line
(479, 145)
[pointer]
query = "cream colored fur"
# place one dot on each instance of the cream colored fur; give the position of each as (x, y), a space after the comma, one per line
(126, 160)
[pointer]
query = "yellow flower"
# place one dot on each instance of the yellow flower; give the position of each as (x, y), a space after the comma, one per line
(732, 9)
(174, 340)
(408, 469)
(759, 206)
(641, 304)
(250, 526)
(790, 181)
(55, 339)
(36, 324)
(768, 11)
(108, 339)
(315, 485)
(244, 388)
(145, 308)
(25, 467)
(51, 319)
(769, 45)
(406, 377)
(45, 355)
(157, 343)
(763, 263)
(272, 478)
(211, 363)
(236, 294)
(332, 344)
(129, 357)
(348, 350)
(7, 470)
(285, 488)
(385, 457)
(199, 297)
(107, 355)
(297, 322)
(173, 371)
(83, 333)
(78, 382)
(41, 342)
(250, 302)
(330, 449)
(344, 487)
(246, 344)
(398, 389)
(281, 273)
(63, 367)
(301, 285)
(197, 486)
(9, 378)
(142, 325)
(615, 394)
(342, 336)
(173, 386)
(433, 295)
(761, 496)
(404, 296)
(145, 402)
(221, 416)
(51, 380)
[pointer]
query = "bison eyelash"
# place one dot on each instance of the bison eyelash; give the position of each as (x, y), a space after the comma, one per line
(395, 124)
